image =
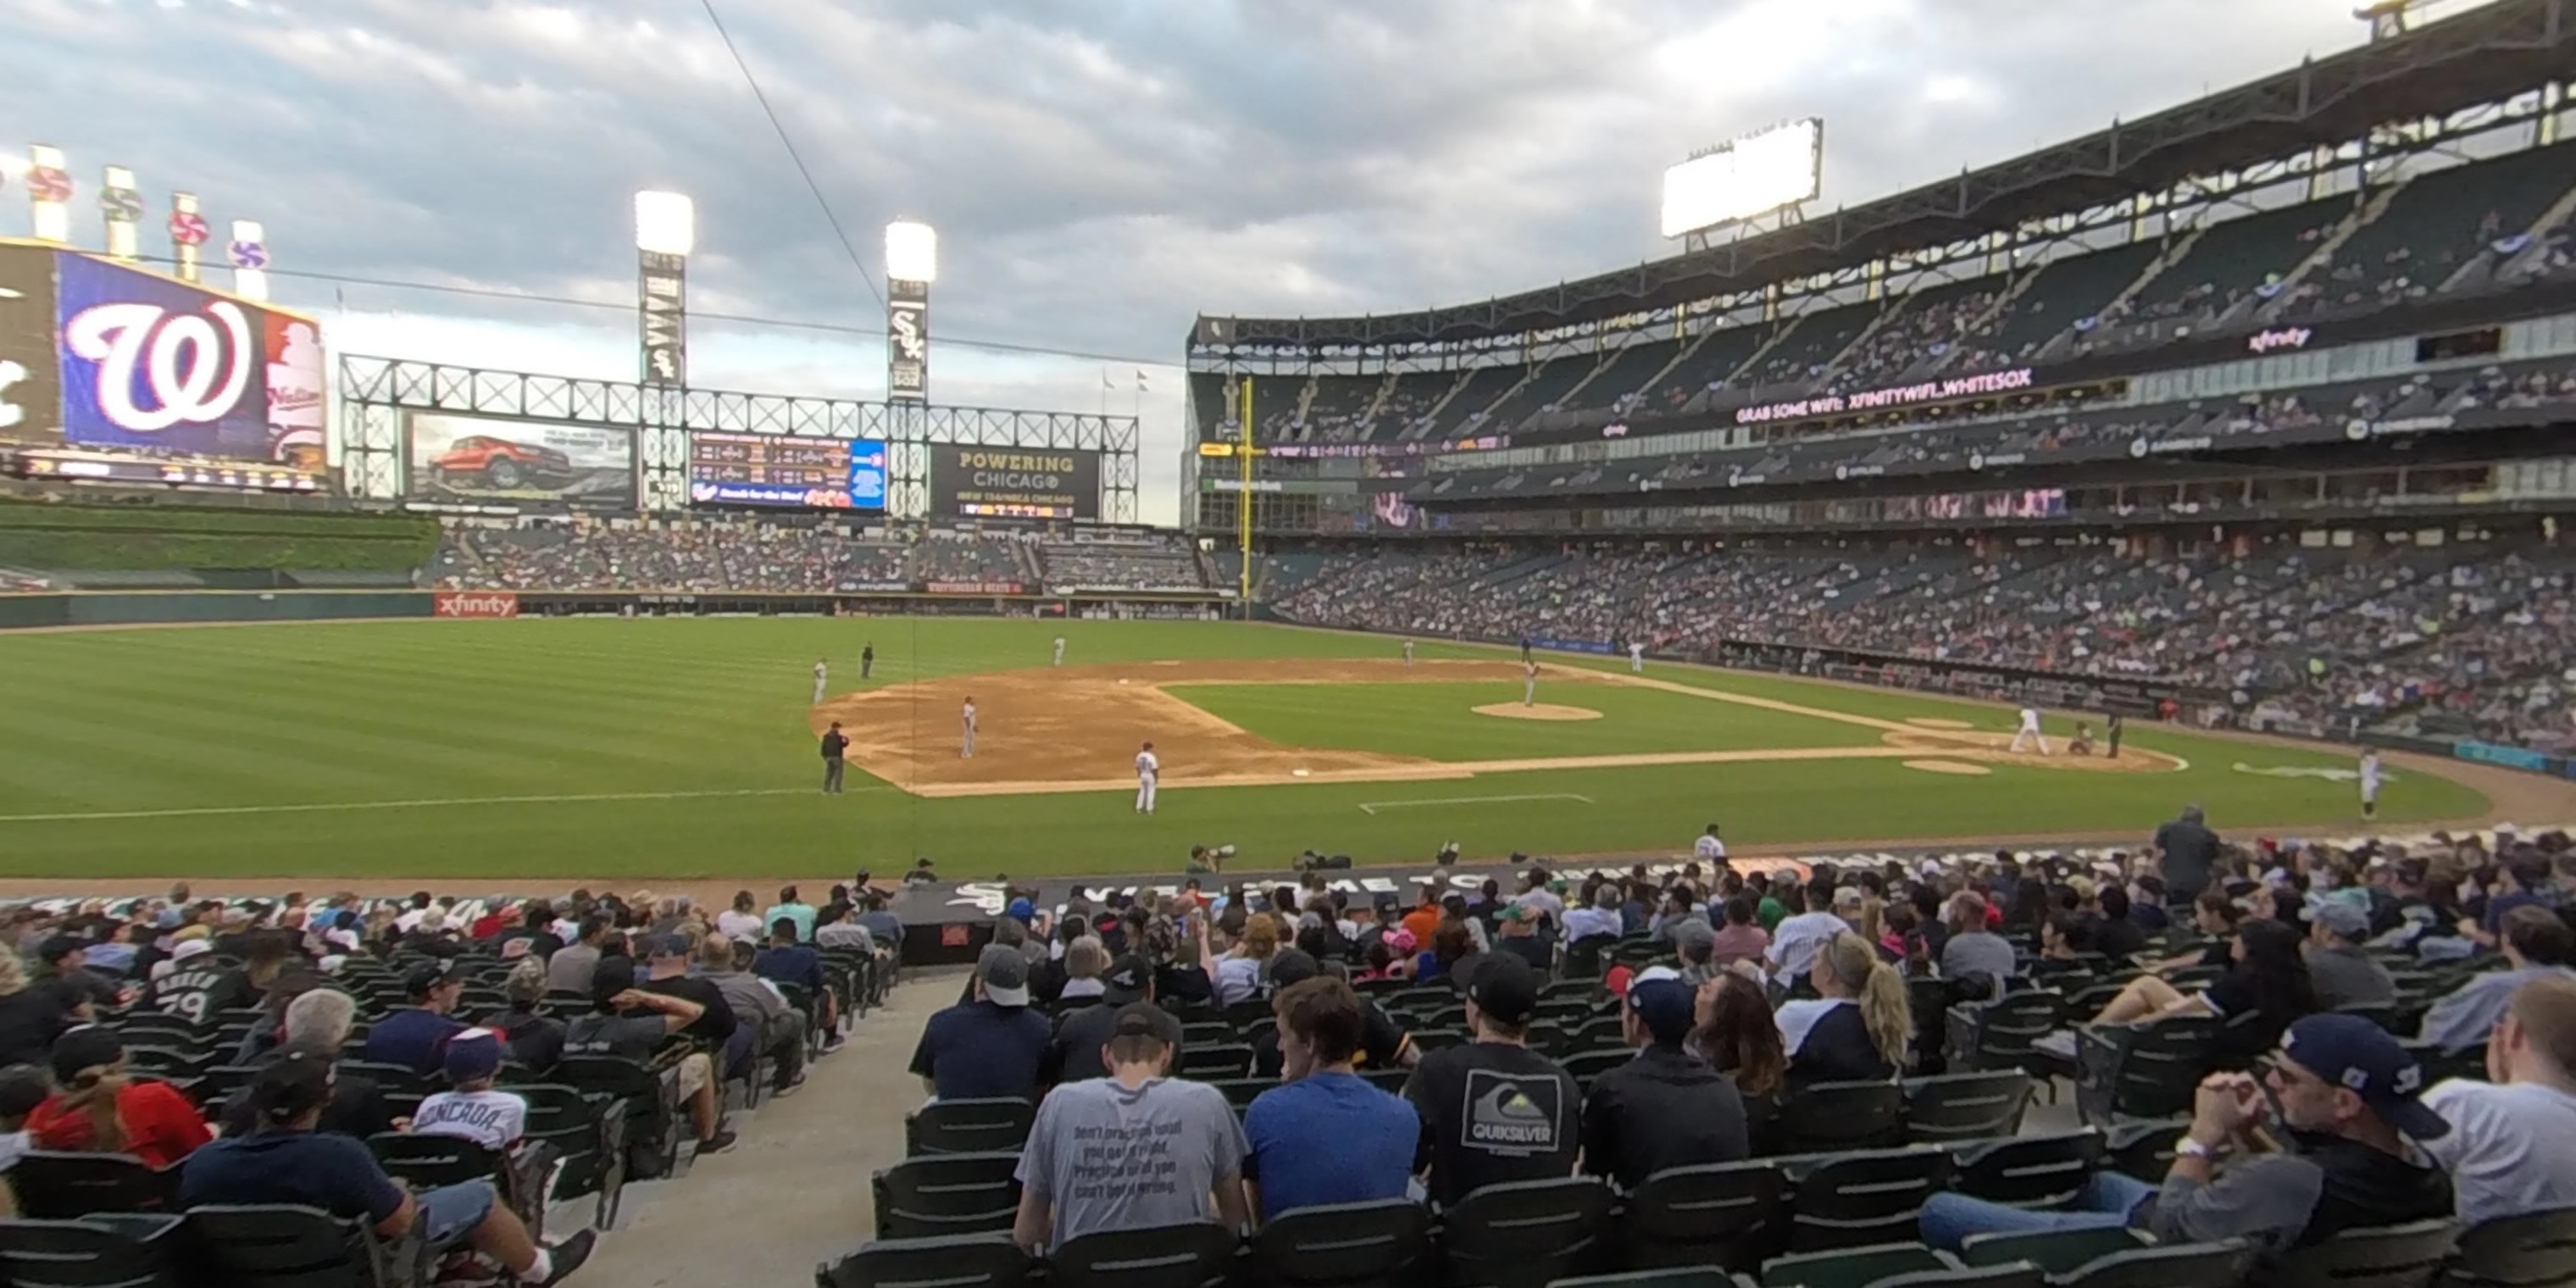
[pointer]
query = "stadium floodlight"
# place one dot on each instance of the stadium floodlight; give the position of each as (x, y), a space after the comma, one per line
(1746, 178)
(666, 223)
(912, 251)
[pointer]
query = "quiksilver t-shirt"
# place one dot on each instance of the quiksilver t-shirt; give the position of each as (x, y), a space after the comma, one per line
(1494, 1112)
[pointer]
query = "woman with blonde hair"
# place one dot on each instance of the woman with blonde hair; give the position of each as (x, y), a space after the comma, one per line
(1236, 975)
(101, 1109)
(30, 1017)
(1858, 1026)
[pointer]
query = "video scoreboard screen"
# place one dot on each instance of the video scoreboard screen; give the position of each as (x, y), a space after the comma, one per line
(773, 469)
(969, 482)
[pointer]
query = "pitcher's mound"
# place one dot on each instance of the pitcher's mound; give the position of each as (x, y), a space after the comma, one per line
(1936, 722)
(1541, 711)
(1947, 767)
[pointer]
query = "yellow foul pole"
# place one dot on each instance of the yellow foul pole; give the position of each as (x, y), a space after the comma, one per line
(1243, 500)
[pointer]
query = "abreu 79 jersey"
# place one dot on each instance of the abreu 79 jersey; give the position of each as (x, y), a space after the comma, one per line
(199, 993)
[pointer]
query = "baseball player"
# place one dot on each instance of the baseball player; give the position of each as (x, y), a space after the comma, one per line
(1408, 652)
(2030, 730)
(2371, 779)
(967, 750)
(1529, 684)
(1059, 650)
(822, 672)
(1636, 658)
(1149, 767)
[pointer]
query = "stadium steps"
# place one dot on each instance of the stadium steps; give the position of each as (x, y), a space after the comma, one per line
(1438, 410)
(1681, 353)
(2557, 214)
(2175, 252)
(1605, 360)
(1505, 576)
(1376, 404)
(1762, 352)
(2322, 255)
(1297, 414)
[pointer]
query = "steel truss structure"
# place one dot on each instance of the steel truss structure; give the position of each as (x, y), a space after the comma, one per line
(376, 394)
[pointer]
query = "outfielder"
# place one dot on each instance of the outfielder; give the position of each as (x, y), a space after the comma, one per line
(967, 751)
(822, 672)
(2371, 778)
(1529, 684)
(1148, 768)
(1408, 652)
(2030, 730)
(1059, 650)
(1636, 658)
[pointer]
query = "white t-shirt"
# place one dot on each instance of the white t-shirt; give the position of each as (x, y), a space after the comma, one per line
(1799, 1015)
(1147, 764)
(493, 1119)
(742, 926)
(1707, 848)
(1794, 943)
(2506, 1150)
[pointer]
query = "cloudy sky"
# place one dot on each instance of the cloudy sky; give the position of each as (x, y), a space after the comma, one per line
(1100, 171)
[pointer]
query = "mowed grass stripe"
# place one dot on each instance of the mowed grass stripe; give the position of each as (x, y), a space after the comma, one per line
(1439, 721)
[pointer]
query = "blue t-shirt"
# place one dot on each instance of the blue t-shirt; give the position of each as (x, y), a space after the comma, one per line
(977, 1049)
(793, 964)
(1372, 1134)
(334, 1173)
(411, 1037)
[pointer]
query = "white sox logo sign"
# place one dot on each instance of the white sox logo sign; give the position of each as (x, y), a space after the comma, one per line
(11, 413)
(195, 368)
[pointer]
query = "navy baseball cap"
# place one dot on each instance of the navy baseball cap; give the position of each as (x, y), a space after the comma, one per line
(2351, 1052)
(472, 1054)
(1664, 1002)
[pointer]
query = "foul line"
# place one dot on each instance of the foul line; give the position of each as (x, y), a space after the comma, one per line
(1372, 807)
(328, 806)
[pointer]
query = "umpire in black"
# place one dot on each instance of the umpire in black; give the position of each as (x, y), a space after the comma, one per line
(835, 745)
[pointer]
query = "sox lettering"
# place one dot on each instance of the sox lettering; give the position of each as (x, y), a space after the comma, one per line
(196, 373)
(906, 320)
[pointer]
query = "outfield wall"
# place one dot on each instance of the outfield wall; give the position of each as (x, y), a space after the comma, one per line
(180, 607)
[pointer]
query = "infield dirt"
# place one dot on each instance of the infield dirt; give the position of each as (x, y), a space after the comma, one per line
(1078, 729)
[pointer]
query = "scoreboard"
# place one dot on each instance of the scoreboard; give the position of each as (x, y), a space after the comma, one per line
(774, 469)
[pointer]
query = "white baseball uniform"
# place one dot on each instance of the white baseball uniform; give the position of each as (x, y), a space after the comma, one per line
(1708, 849)
(1059, 650)
(821, 673)
(1148, 768)
(1408, 652)
(2371, 778)
(1529, 684)
(1636, 658)
(969, 717)
(2030, 730)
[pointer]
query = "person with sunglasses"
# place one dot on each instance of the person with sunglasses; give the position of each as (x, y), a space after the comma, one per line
(2344, 1155)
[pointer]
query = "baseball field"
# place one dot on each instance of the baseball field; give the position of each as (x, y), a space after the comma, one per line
(685, 748)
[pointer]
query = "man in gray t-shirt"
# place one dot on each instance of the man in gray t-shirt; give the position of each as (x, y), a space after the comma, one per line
(1131, 1150)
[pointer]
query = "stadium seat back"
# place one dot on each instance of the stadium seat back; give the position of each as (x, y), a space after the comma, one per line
(1855, 1267)
(1587, 1065)
(2147, 1070)
(1217, 1061)
(2037, 1172)
(2017, 1274)
(284, 1246)
(428, 1161)
(100, 1252)
(59, 1186)
(1966, 1106)
(1861, 1199)
(1667, 1277)
(967, 1261)
(1344, 1245)
(1823, 1116)
(1240, 1092)
(2055, 1251)
(1196, 1254)
(2533, 1250)
(2178, 1265)
(1716, 1214)
(977, 1126)
(2396, 1256)
(1525, 1233)
(938, 1195)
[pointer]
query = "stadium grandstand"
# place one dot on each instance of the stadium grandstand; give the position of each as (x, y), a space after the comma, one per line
(2246, 423)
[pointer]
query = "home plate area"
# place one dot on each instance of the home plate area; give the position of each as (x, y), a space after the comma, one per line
(1078, 728)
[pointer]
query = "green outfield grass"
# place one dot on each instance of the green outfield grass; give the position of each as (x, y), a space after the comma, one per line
(541, 750)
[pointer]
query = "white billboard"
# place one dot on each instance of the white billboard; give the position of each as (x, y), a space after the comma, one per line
(1753, 175)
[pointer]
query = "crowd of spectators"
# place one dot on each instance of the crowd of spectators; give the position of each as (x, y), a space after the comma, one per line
(1157, 562)
(744, 555)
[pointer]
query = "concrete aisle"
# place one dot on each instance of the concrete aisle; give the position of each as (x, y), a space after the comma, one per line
(794, 1191)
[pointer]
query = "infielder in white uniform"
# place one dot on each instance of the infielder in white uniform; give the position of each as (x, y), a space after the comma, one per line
(1408, 652)
(2030, 730)
(968, 748)
(1148, 768)
(1636, 659)
(821, 673)
(2371, 778)
(1059, 650)
(1529, 684)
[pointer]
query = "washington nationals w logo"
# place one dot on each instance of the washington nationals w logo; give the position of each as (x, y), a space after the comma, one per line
(194, 367)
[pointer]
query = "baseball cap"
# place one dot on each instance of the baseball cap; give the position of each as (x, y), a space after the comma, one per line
(1664, 1002)
(187, 948)
(1005, 972)
(1692, 939)
(1021, 910)
(2350, 1051)
(472, 1054)
(90, 1046)
(665, 945)
(2343, 917)
(1518, 912)
(424, 978)
(1146, 1020)
(1505, 989)
(1289, 965)
(1126, 979)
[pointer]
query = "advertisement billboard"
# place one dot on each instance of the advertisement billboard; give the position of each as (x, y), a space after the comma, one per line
(907, 341)
(149, 363)
(31, 399)
(477, 603)
(472, 458)
(1747, 178)
(773, 469)
(1013, 482)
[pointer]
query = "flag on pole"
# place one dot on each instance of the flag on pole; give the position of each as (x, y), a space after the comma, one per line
(1104, 379)
(1140, 380)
